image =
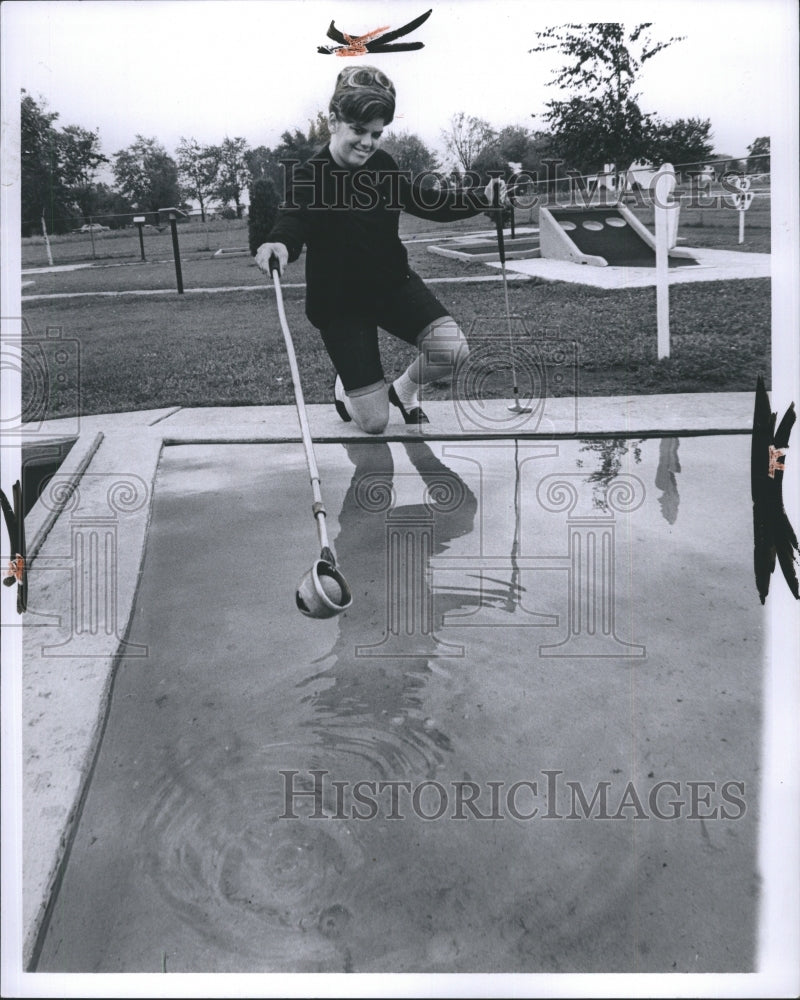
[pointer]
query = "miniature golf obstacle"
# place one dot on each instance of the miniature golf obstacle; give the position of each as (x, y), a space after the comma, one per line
(484, 249)
(603, 236)
(610, 234)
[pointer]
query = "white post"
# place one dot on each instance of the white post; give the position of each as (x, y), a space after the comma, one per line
(47, 242)
(662, 281)
(662, 191)
(742, 201)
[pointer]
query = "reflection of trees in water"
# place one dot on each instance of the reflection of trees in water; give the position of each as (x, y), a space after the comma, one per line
(611, 451)
(668, 465)
(369, 707)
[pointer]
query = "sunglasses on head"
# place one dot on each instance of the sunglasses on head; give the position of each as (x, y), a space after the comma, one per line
(357, 77)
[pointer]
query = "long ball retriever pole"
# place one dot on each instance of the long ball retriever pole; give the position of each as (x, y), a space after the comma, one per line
(318, 506)
(322, 592)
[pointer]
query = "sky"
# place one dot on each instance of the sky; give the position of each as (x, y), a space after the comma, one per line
(211, 68)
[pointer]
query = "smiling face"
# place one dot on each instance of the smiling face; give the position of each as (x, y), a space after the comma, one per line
(353, 143)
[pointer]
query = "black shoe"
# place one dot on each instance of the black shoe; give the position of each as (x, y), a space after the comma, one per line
(341, 409)
(416, 415)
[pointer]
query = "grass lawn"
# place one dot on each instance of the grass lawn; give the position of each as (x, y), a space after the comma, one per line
(141, 352)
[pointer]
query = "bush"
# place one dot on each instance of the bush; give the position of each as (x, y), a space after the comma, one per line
(228, 213)
(264, 202)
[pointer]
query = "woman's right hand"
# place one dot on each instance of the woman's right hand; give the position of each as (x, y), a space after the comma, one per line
(267, 250)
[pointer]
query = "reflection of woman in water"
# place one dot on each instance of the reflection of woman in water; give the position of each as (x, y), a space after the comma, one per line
(374, 706)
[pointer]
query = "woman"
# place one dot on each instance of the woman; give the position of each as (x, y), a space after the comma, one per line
(344, 206)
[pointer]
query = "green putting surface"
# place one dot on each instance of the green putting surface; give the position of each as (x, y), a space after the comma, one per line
(511, 245)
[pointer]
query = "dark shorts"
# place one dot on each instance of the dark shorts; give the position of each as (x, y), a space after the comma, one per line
(352, 339)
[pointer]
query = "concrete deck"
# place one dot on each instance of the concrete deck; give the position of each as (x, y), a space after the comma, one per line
(106, 484)
(712, 265)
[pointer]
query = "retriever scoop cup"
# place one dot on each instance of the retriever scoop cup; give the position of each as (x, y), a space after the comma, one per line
(323, 592)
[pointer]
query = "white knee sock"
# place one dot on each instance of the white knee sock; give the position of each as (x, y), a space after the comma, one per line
(407, 390)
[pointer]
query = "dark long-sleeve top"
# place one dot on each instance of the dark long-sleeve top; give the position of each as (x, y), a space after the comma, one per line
(348, 221)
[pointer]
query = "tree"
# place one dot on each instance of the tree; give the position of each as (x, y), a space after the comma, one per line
(146, 175)
(466, 138)
(600, 121)
(79, 157)
(295, 145)
(233, 175)
(261, 163)
(299, 145)
(43, 190)
(267, 163)
(514, 144)
(686, 142)
(319, 132)
(264, 203)
(108, 207)
(410, 153)
(198, 167)
(725, 164)
(759, 159)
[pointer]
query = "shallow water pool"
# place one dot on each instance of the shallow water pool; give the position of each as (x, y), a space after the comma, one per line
(530, 745)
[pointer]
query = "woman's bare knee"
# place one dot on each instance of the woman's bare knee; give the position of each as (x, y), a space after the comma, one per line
(370, 407)
(374, 425)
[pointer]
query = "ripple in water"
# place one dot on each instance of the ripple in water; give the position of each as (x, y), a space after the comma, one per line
(228, 867)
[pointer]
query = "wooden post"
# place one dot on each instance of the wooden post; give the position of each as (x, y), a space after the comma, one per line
(176, 251)
(139, 221)
(174, 214)
(47, 242)
(91, 234)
